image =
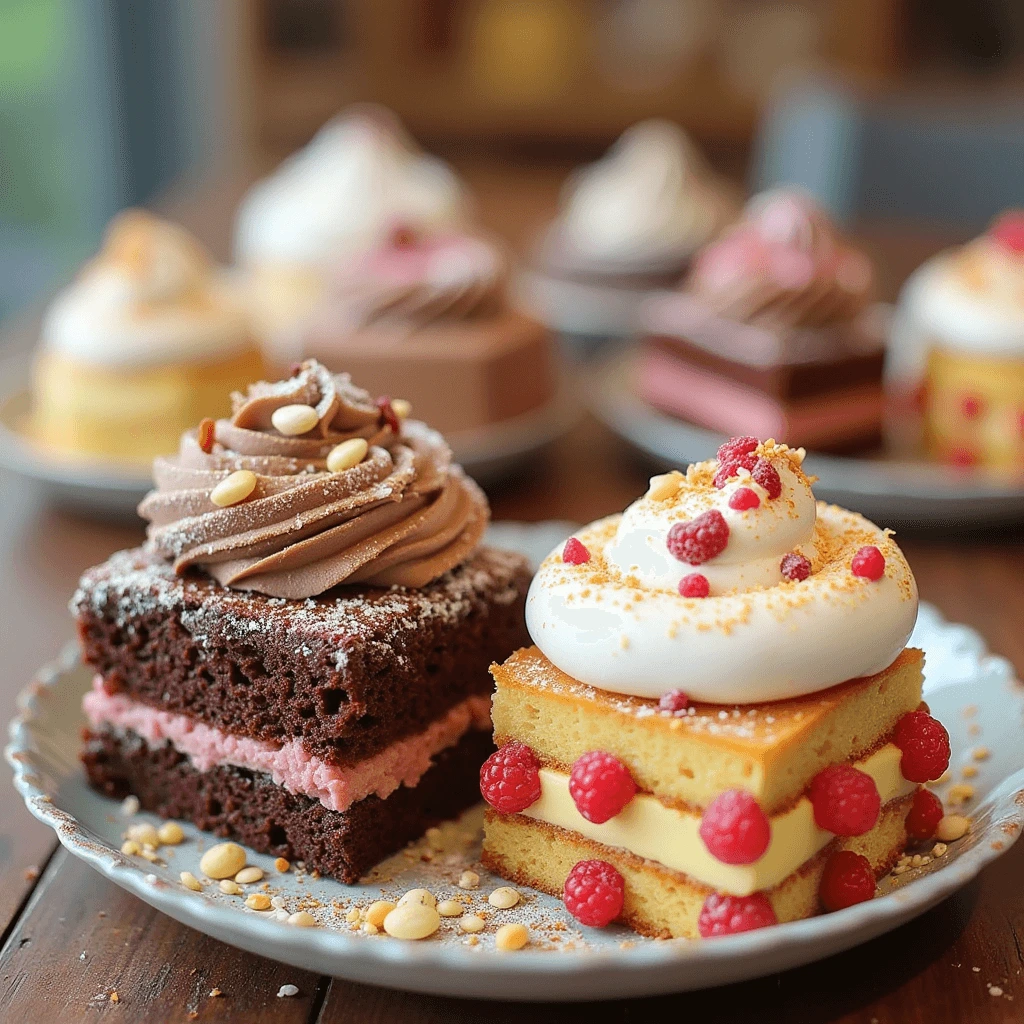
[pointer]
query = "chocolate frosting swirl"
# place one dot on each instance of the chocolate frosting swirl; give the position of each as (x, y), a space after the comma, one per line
(403, 516)
(413, 281)
(783, 267)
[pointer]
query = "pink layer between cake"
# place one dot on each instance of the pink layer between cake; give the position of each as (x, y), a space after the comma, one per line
(711, 400)
(290, 764)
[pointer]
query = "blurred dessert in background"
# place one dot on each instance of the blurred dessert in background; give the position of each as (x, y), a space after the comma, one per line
(956, 366)
(148, 339)
(343, 193)
(774, 333)
(428, 317)
(629, 222)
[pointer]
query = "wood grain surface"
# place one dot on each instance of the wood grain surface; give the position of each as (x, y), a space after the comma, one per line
(69, 938)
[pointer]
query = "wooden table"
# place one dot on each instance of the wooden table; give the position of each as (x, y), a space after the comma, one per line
(70, 938)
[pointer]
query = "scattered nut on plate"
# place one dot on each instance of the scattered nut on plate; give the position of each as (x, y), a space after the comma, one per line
(224, 860)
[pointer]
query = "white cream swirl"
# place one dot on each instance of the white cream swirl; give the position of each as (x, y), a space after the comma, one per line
(151, 295)
(650, 200)
(617, 622)
(359, 178)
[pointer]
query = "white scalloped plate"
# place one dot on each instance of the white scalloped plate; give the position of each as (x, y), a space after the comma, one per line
(574, 963)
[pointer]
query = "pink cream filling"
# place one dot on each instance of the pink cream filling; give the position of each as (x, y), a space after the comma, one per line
(290, 764)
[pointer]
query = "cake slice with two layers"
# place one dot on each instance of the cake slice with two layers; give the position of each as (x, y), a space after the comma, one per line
(721, 726)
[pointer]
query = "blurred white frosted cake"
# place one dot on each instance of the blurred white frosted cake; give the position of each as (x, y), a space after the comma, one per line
(357, 181)
(148, 339)
(957, 359)
(628, 223)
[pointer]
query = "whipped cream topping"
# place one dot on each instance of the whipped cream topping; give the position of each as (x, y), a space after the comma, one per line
(403, 516)
(358, 178)
(618, 622)
(648, 203)
(783, 265)
(151, 295)
(416, 279)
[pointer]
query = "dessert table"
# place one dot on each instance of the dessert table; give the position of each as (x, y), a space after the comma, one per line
(76, 947)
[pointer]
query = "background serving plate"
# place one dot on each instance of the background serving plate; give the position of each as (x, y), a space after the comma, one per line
(893, 492)
(488, 453)
(975, 694)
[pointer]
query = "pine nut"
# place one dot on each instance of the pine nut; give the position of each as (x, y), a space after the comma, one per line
(424, 896)
(472, 923)
(402, 408)
(170, 833)
(258, 901)
(144, 834)
(511, 936)
(224, 860)
(469, 880)
(302, 919)
(292, 420)
(234, 488)
(952, 827)
(503, 897)
(376, 912)
(450, 908)
(190, 881)
(347, 454)
(248, 875)
(230, 887)
(412, 921)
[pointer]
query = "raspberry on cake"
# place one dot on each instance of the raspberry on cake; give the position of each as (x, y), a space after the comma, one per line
(302, 663)
(706, 760)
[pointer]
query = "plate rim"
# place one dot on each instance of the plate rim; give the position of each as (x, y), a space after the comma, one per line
(298, 946)
(632, 419)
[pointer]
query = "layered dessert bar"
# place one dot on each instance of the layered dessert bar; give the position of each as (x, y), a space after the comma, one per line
(428, 316)
(773, 334)
(720, 726)
(298, 656)
(956, 365)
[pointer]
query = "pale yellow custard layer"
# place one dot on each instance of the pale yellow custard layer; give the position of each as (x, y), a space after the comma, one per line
(647, 828)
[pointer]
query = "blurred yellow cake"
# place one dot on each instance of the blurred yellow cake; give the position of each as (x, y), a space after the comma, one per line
(147, 340)
(959, 350)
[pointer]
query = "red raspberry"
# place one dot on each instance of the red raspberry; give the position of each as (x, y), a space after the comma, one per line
(734, 828)
(593, 893)
(729, 915)
(699, 539)
(509, 778)
(735, 448)
(388, 416)
(694, 585)
(845, 799)
(962, 457)
(869, 562)
(727, 470)
(743, 498)
(575, 552)
(765, 474)
(795, 567)
(674, 700)
(971, 407)
(1008, 230)
(847, 879)
(925, 746)
(925, 815)
(600, 786)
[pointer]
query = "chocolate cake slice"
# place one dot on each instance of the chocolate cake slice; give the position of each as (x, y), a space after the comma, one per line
(305, 668)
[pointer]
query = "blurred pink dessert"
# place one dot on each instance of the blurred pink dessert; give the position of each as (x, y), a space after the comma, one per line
(774, 333)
